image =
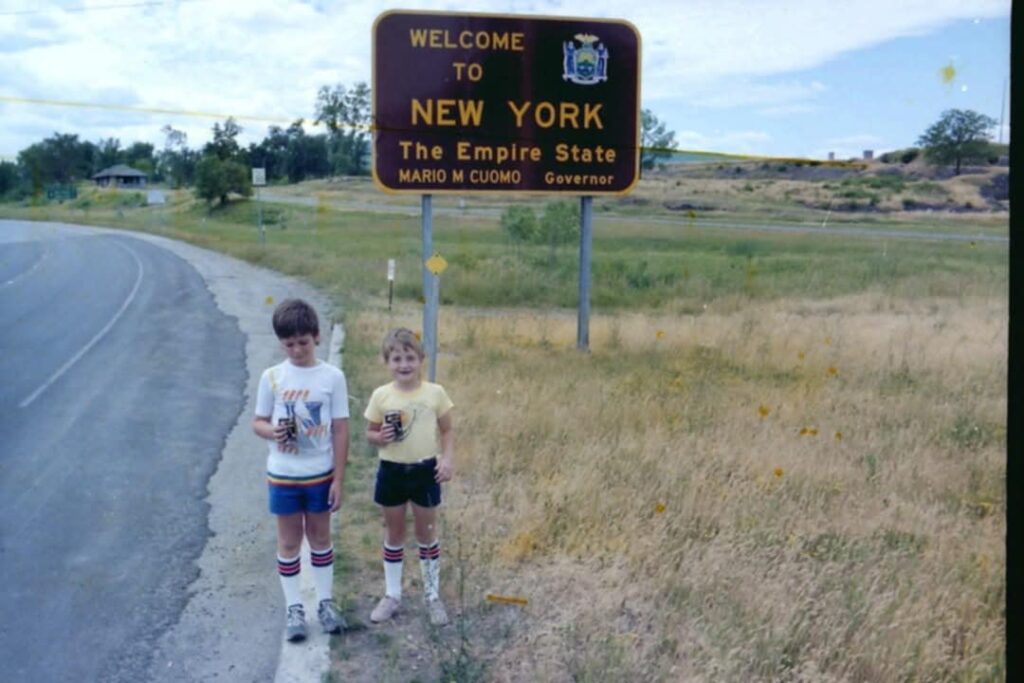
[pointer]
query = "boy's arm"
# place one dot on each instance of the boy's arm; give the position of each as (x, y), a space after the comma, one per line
(339, 443)
(446, 464)
(265, 430)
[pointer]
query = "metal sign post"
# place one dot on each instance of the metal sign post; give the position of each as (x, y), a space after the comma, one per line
(586, 239)
(428, 249)
(435, 265)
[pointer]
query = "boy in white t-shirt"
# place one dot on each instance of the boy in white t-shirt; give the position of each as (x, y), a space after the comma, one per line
(410, 422)
(302, 410)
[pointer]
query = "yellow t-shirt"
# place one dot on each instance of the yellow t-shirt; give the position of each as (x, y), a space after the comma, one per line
(420, 410)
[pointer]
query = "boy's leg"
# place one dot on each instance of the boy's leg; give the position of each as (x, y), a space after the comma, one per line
(394, 549)
(289, 545)
(321, 552)
(430, 561)
(430, 548)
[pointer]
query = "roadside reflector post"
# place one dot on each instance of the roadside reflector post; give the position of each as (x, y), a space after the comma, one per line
(391, 281)
(259, 179)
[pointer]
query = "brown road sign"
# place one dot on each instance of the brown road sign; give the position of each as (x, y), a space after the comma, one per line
(480, 102)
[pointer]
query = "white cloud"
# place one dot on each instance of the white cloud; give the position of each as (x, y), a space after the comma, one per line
(753, 142)
(738, 93)
(267, 58)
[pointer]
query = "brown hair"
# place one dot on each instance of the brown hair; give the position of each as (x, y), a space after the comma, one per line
(294, 317)
(399, 339)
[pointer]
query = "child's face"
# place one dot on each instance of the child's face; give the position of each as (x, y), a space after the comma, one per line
(301, 349)
(404, 365)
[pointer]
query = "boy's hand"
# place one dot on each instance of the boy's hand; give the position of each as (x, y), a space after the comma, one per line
(334, 496)
(443, 470)
(280, 433)
(387, 433)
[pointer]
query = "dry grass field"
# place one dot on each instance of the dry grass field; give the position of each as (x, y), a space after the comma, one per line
(798, 491)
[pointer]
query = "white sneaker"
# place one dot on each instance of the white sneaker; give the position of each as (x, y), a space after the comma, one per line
(295, 627)
(385, 609)
(438, 615)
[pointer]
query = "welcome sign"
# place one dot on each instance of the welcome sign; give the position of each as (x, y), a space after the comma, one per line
(506, 103)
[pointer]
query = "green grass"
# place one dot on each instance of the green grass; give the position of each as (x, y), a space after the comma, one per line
(679, 267)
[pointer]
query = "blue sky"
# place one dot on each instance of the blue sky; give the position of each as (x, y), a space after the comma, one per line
(784, 78)
(883, 97)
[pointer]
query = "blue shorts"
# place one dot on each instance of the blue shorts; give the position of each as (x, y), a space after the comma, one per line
(398, 483)
(287, 499)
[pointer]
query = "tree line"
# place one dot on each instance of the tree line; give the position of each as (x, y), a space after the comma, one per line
(221, 166)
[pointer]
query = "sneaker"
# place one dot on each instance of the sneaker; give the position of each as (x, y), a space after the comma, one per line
(435, 608)
(330, 618)
(385, 609)
(296, 627)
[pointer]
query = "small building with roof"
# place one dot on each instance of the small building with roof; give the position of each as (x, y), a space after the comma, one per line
(120, 176)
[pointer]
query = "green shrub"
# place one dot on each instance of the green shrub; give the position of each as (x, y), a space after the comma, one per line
(519, 223)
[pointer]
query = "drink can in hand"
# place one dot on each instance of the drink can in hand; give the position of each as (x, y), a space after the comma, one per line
(394, 418)
(292, 432)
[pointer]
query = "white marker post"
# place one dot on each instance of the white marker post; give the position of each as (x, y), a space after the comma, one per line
(391, 280)
(259, 178)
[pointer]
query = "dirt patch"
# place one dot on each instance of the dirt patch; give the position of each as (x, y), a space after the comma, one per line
(408, 648)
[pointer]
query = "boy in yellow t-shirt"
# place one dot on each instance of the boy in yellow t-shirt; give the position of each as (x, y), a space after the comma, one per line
(410, 422)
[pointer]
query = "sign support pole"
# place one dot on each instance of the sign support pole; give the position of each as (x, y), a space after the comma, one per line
(429, 300)
(435, 287)
(583, 316)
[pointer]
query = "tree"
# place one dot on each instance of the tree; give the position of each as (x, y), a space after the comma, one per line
(108, 153)
(271, 153)
(958, 136)
(176, 162)
(346, 113)
(559, 224)
(58, 159)
(139, 155)
(225, 144)
(656, 141)
(8, 178)
(519, 223)
(216, 178)
(223, 168)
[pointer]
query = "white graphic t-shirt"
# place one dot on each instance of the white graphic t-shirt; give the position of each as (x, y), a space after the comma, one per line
(313, 396)
(419, 409)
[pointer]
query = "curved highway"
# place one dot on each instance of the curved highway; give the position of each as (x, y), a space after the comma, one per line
(121, 380)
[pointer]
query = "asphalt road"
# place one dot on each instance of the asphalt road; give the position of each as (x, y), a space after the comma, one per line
(121, 380)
